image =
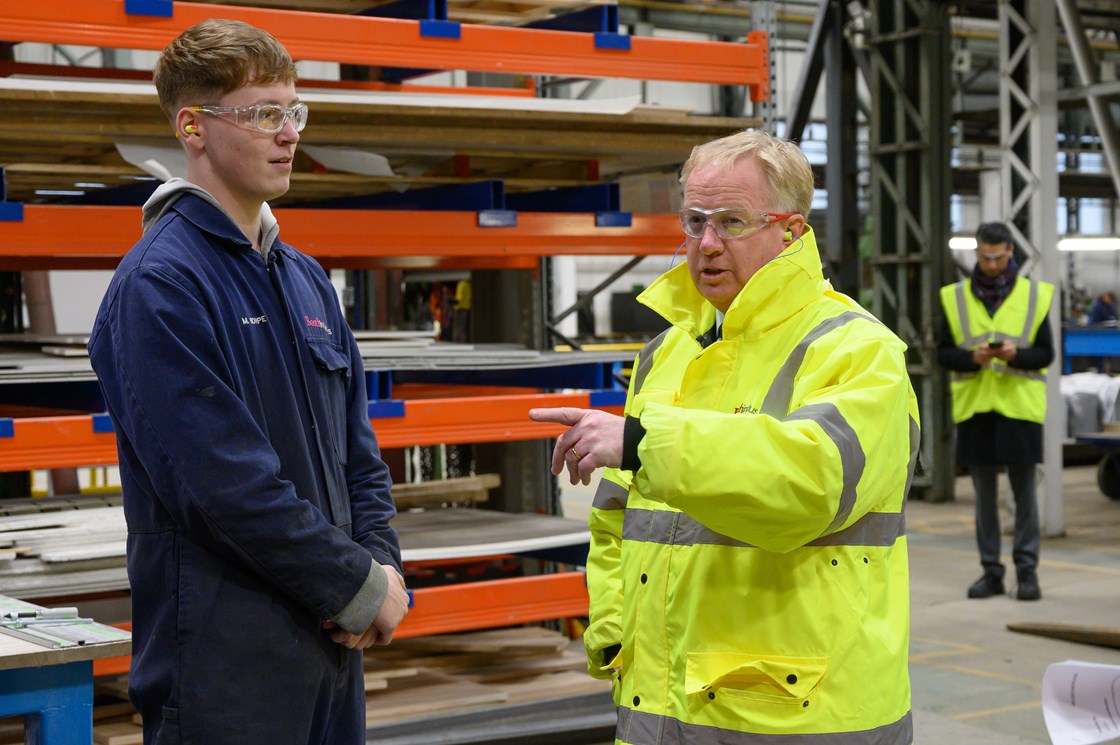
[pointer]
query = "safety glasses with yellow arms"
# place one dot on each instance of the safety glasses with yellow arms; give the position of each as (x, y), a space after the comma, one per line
(728, 222)
(263, 117)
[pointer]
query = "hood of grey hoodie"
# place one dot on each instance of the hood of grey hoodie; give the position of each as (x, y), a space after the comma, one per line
(170, 191)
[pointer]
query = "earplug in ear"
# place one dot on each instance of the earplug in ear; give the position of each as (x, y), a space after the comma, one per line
(788, 236)
(190, 129)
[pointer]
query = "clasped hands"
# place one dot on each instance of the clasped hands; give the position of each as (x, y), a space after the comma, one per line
(593, 440)
(380, 632)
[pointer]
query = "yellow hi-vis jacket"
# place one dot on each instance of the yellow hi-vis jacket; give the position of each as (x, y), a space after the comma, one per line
(998, 387)
(754, 569)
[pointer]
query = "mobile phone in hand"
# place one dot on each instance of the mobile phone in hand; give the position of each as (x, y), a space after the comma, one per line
(995, 344)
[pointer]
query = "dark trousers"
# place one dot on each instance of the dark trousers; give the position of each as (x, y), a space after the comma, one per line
(1027, 536)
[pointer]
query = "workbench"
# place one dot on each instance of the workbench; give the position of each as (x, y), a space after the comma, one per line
(52, 688)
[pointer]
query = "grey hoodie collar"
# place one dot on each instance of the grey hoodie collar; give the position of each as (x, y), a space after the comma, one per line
(169, 192)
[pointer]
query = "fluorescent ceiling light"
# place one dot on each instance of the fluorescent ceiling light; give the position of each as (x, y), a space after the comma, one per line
(59, 192)
(962, 243)
(1093, 243)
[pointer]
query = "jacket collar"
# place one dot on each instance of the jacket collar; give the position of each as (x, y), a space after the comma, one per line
(777, 291)
(214, 221)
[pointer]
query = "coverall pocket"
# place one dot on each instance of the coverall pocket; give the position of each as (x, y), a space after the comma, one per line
(763, 678)
(334, 366)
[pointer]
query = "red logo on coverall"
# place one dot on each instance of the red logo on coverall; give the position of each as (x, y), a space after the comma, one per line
(315, 323)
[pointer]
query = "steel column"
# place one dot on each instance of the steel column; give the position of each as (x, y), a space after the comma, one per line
(910, 187)
(1029, 173)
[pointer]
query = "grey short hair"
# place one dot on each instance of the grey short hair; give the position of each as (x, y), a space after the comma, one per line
(787, 169)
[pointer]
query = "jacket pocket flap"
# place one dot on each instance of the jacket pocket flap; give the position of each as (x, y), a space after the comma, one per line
(329, 357)
(769, 675)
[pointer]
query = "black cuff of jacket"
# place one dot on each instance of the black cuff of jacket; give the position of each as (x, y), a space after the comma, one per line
(632, 434)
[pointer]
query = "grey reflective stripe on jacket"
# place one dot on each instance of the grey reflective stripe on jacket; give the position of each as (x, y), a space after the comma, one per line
(680, 529)
(915, 446)
(645, 359)
(643, 728)
(1022, 340)
(852, 459)
(610, 496)
(776, 402)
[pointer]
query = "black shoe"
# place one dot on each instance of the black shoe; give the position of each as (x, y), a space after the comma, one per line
(987, 586)
(1028, 586)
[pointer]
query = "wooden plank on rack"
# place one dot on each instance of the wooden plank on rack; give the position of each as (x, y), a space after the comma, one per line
(429, 693)
(445, 491)
(514, 641)
(118, 733)
(53, 138)
(553, 685)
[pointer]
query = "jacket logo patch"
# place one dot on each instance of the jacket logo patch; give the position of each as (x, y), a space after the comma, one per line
(746, 409)
(315, 323)
(253, 320)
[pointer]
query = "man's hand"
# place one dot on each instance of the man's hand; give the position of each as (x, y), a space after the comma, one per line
(392, 612)
(594, 440)
(1006, 351)
(982, 355)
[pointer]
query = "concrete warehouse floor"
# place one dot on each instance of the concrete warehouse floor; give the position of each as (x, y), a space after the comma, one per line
(974, 682)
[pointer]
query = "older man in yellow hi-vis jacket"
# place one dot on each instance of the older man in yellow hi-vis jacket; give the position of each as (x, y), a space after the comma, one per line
(748, 570)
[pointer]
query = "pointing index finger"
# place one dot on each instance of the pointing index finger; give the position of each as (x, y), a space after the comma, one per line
(563, 415)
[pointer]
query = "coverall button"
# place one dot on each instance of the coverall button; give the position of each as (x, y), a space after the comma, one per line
(637, 700)
(643, 578)
(864, 559)
(791, 678)
(834, 562)
(711, 695)
(805, 704)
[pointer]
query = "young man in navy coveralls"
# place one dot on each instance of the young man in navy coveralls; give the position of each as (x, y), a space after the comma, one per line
(260, 554)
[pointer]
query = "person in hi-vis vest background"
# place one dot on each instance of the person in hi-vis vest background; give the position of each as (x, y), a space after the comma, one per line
(996, 342)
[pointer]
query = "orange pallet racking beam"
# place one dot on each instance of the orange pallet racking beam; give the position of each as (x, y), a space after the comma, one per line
(476, 419)
(56, 442)
(65, 441)
(468, 606)
(398, 43)
(65, 236)
(495, 603)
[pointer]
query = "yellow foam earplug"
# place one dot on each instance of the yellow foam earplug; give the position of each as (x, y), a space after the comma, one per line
(190, 129)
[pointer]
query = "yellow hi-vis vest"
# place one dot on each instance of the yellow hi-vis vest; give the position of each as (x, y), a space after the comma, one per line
(1014, 393)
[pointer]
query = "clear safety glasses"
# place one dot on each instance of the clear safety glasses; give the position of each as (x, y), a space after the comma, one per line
(264, 117)
(728, 223)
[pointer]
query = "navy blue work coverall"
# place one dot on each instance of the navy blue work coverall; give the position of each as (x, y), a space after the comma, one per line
(254, 490)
